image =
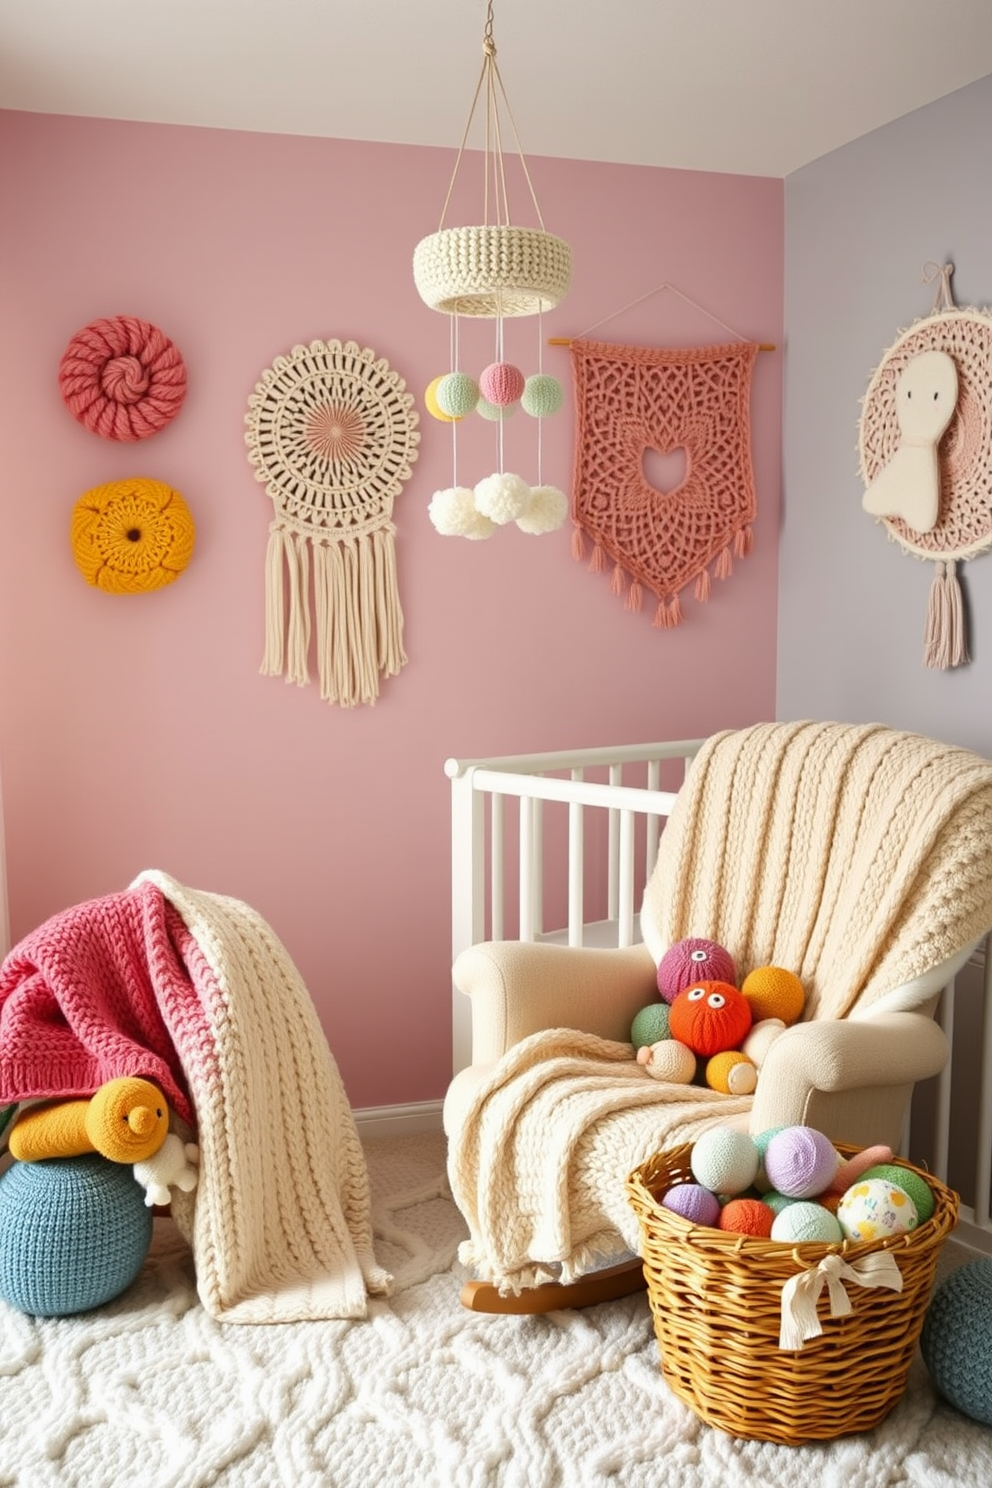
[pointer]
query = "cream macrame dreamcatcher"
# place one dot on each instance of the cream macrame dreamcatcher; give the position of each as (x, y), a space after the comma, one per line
(927, 465)
(331, 433)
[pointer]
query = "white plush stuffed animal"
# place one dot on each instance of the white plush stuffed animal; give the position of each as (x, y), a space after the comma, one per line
(174, 1165)
(908, 486)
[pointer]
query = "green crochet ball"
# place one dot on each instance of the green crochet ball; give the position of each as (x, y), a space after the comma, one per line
(918, 1189)
(457, 394)
(542, 395)
(650, 1025)
(956, 1341)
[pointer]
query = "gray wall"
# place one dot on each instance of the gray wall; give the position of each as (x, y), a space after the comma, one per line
(860, 224)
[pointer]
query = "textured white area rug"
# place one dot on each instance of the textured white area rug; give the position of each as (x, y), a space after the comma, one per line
(151, 1391)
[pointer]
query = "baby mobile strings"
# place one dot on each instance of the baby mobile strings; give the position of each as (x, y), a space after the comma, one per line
(494, 271)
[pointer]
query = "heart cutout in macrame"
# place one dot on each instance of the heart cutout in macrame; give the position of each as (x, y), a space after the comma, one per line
(665, 470)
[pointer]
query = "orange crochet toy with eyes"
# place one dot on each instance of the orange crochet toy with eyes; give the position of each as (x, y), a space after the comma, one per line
(710, 1017)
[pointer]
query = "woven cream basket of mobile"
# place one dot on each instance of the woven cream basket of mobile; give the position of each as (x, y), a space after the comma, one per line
(926, 455)
(332, 434)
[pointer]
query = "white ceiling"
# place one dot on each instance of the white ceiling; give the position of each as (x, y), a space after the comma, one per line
(756, 87)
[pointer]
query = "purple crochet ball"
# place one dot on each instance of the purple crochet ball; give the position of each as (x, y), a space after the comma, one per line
(800, 1162)
(693, 1202)
(694, 960)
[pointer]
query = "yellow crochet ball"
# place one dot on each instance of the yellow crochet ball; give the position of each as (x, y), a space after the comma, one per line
(431, 403)
(774, 992)
(131, 535)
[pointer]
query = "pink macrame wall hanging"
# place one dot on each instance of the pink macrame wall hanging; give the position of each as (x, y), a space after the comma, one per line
(631, 400)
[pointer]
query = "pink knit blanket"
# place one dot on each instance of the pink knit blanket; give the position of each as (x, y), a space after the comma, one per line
(110, 987)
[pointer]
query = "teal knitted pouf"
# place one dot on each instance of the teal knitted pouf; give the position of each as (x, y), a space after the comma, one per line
(74, 1232)
(956, 1339)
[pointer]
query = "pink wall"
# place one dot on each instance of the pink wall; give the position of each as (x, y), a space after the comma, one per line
(137, 732)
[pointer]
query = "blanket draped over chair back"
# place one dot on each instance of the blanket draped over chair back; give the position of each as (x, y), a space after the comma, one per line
(855, 855)
(195, 991)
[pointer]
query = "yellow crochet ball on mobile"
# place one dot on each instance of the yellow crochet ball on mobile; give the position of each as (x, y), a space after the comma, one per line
(774, 992)
(431, 403)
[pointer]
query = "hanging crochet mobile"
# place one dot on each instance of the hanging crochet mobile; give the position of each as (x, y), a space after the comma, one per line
(927, 464)
(331, 433)
(630, 400)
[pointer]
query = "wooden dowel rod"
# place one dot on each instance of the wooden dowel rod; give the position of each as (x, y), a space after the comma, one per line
(567, 341)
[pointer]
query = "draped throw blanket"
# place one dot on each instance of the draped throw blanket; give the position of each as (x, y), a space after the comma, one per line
(858, 856)
(195, 991)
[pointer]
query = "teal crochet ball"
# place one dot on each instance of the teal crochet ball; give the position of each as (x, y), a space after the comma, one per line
(74, 1232)
(956, 1341)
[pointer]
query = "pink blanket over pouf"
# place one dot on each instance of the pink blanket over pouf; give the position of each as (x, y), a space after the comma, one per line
(195, 991)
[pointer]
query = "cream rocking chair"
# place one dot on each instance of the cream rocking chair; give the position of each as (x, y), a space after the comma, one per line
(858, 856)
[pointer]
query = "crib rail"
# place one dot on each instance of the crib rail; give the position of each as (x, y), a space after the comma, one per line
(558, 846)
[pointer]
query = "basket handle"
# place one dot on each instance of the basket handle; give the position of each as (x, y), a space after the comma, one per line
(799, 1320)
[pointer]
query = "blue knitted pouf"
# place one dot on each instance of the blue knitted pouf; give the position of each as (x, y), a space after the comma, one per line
(956, 1340)
(74, 1232)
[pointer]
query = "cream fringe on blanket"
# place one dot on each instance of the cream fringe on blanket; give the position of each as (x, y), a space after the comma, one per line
(859, 857)
(280, 1222)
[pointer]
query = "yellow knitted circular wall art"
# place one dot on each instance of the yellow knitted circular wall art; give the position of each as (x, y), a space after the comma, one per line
(131, 535)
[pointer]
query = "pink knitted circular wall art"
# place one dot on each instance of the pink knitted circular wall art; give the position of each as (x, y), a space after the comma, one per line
(122, 378)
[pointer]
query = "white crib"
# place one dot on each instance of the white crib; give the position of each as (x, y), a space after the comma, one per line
(569, 862)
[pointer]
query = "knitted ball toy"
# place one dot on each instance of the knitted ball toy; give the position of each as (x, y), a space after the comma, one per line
(431, 403)
(457, 394)
(761, 1180)
(724, 1160)
(493, 411)
(694, 1202)
(542, 395)
(956, 1339)
(650, 1025)
(777, 1202)
(74, 1233)
(731, 1073)
(501, 383)
(693, 960)
(918, 1189)
(774, 992)
(546, 512)
(130, 536)
(873, 1209)
(454, 514)
(800, 1161)
(710, 1017)
(806, 1221)
(668, 1060)
(502, 497)
(747, 1217)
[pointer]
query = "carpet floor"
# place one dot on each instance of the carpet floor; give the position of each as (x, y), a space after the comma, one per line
(151, 1391)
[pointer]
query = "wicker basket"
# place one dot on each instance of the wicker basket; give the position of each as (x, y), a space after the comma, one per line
(491, 271)
(716, 1303)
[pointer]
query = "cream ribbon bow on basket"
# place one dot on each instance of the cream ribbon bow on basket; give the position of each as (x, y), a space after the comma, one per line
(799, 1294)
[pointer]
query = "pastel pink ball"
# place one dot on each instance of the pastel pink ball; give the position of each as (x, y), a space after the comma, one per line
(501, 383)
(800, 1162)
(694, 960)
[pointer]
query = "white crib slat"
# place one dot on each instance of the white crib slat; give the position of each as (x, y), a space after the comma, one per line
(526, 868)
(576, 869)
(468, 898)
(497, 877)
(942, 1118)
(625, 898)
(537, 869)
(652, 824)
(613, 851)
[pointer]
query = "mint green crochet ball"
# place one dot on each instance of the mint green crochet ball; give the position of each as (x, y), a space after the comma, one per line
(805, 1221)
(650, 1025)
(542, 395)
(457, 394)
(724, 1160)
(494, 413)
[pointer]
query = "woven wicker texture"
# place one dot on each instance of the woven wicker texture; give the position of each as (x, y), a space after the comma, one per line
(716, 1302)
(492, 271)
(73, 1233)
(964, 526)
(630, 399)
(332, 434)
(122, 378)
(132, 535)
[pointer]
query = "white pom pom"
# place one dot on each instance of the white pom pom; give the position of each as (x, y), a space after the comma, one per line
(502, 498)
(454, 514)
(547, 510)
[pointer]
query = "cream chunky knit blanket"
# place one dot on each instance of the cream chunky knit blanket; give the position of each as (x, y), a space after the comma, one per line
(858, 856)
(195, 991)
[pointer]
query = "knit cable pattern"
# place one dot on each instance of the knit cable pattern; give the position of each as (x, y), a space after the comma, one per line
(122, 378)
(630, 399)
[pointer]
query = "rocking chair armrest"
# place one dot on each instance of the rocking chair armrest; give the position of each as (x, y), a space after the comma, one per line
(520, 987)
(844, 1055)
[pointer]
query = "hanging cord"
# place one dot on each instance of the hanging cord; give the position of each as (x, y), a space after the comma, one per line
(942, 299)
(650, 293)
(490, 77)
(454, 362)
(540, 369)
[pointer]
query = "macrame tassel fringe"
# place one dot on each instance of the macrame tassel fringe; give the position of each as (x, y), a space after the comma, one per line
(702, 589)
(944, 643)
(359, 622)
(724, 565)
(635, 596)
(617, 583)
(668, 614)
(578, 545)
(743, 542)
(598, 560)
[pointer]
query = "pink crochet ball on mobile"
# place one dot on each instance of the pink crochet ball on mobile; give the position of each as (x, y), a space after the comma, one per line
(694, 960)
(501, 383)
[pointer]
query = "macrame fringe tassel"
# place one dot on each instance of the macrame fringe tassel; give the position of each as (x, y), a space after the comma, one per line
(635, 596)
(598, 560)
(578, 545)
(743, 542)
(944, 643)
(359, 622)
(617, 583)
(702, 589)
(668, 614)
(724, 565)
